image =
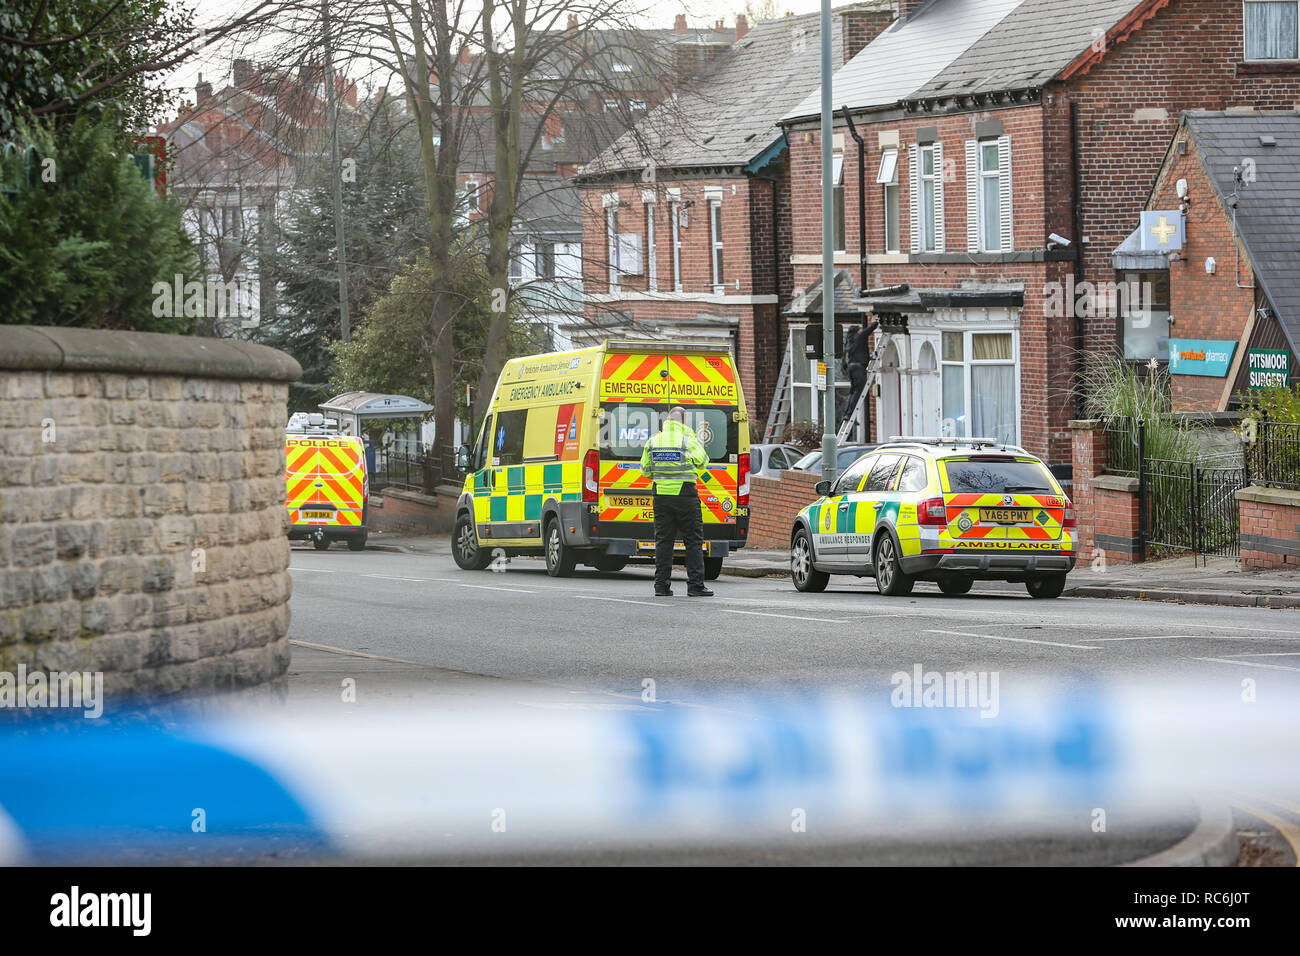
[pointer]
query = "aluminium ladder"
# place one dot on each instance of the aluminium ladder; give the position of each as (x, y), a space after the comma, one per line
(873, 372)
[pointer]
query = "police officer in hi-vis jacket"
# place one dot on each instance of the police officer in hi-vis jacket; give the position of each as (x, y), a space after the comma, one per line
(673, 460)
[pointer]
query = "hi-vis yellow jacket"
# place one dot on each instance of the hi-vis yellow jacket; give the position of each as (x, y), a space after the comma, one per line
(673, 458)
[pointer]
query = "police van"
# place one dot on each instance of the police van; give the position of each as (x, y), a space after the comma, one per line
(326, 485)
(556, 469)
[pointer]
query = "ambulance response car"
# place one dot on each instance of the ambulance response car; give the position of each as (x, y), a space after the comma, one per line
(942, 510)
(556, 470)
(326, 489)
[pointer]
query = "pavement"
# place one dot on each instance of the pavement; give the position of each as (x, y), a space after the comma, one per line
(408, 626)
(1193, 579)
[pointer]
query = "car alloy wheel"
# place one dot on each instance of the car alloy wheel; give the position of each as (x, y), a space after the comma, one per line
(885, 564)
(802, 573)
(469, 556)
(560, 561)
(890, 578)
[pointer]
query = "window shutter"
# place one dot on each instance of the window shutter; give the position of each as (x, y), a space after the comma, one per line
(1004, 168)
(972, 196)
(940, 174)
(916, 197)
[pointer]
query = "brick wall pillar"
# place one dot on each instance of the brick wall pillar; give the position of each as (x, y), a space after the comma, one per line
(1270, 527)
(1106, 506)
(1089, 457)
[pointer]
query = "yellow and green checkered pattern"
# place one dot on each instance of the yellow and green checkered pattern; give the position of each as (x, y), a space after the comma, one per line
(513, 493)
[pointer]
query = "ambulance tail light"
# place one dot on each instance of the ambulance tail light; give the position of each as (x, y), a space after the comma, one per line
(932, 511)
(591, 476)
(1069, 520)
(742, 481)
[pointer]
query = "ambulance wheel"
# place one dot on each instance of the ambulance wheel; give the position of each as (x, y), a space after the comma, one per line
(610, 562)
(712, 568)
(890, 579)
(358, 543)
(464, 546)
(320, 544)
(1046, 585)
(560, 558)
(954, 584)
(802, 572)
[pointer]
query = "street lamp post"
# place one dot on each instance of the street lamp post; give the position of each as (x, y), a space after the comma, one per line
(828, 255)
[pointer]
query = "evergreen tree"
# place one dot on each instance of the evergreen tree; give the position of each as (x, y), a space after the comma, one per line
(84, 236)
(383, 213)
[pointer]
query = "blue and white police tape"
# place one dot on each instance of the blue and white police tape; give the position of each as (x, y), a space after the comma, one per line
(494, 777)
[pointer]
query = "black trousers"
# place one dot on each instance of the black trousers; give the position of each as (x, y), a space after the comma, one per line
(678, 517)
(857, 379)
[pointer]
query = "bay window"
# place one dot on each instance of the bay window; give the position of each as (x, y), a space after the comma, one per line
(980, 385)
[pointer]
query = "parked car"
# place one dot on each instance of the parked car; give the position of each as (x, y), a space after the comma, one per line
(947, 511)
(770, 460)
(845, 455)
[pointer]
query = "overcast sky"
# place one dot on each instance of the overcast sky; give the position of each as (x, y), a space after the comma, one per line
(215, 65)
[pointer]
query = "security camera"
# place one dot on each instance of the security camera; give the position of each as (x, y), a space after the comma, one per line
(1054, 240)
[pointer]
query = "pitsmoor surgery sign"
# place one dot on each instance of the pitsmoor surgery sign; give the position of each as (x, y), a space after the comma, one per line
(1268, 368)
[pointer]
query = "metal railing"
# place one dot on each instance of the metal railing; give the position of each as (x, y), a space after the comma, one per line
(1125, 447)
(419, 469)
(1274, 456)
(1183, 505)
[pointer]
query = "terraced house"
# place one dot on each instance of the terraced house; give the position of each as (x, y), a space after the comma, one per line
(686, 219)
(1004, 151)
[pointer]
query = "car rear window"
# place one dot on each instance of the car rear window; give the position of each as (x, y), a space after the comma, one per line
(996, 476)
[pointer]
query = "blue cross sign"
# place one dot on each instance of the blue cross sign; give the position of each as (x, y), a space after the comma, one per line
(501, 437)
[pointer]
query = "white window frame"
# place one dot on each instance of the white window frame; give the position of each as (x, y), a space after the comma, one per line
(839, 224)
(469, 191)
(1246, 4)
(676, 208)
(715, 246)
(611, 246)
(652, 259)
(887, 179)
(968, 362)
(984, 174)
(934, 179)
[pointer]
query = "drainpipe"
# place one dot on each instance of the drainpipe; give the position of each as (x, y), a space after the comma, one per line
(862, 201)
(1077, 219)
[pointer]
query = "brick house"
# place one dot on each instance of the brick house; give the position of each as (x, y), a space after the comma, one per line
(987, 127)
(611, 78)
(686, 219)
(236, 153)
(1230, 308)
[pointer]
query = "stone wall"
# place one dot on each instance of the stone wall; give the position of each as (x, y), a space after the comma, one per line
(142, 509)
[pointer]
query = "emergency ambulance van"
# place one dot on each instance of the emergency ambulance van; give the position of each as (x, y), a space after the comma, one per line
(556, 470)
(326, 489)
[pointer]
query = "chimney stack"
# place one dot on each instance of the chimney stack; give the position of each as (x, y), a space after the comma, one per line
(679, 25)
(572, 27)
(244, 75)
(742, 26)
(907, 7)
(202, 91)
(860, 27)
